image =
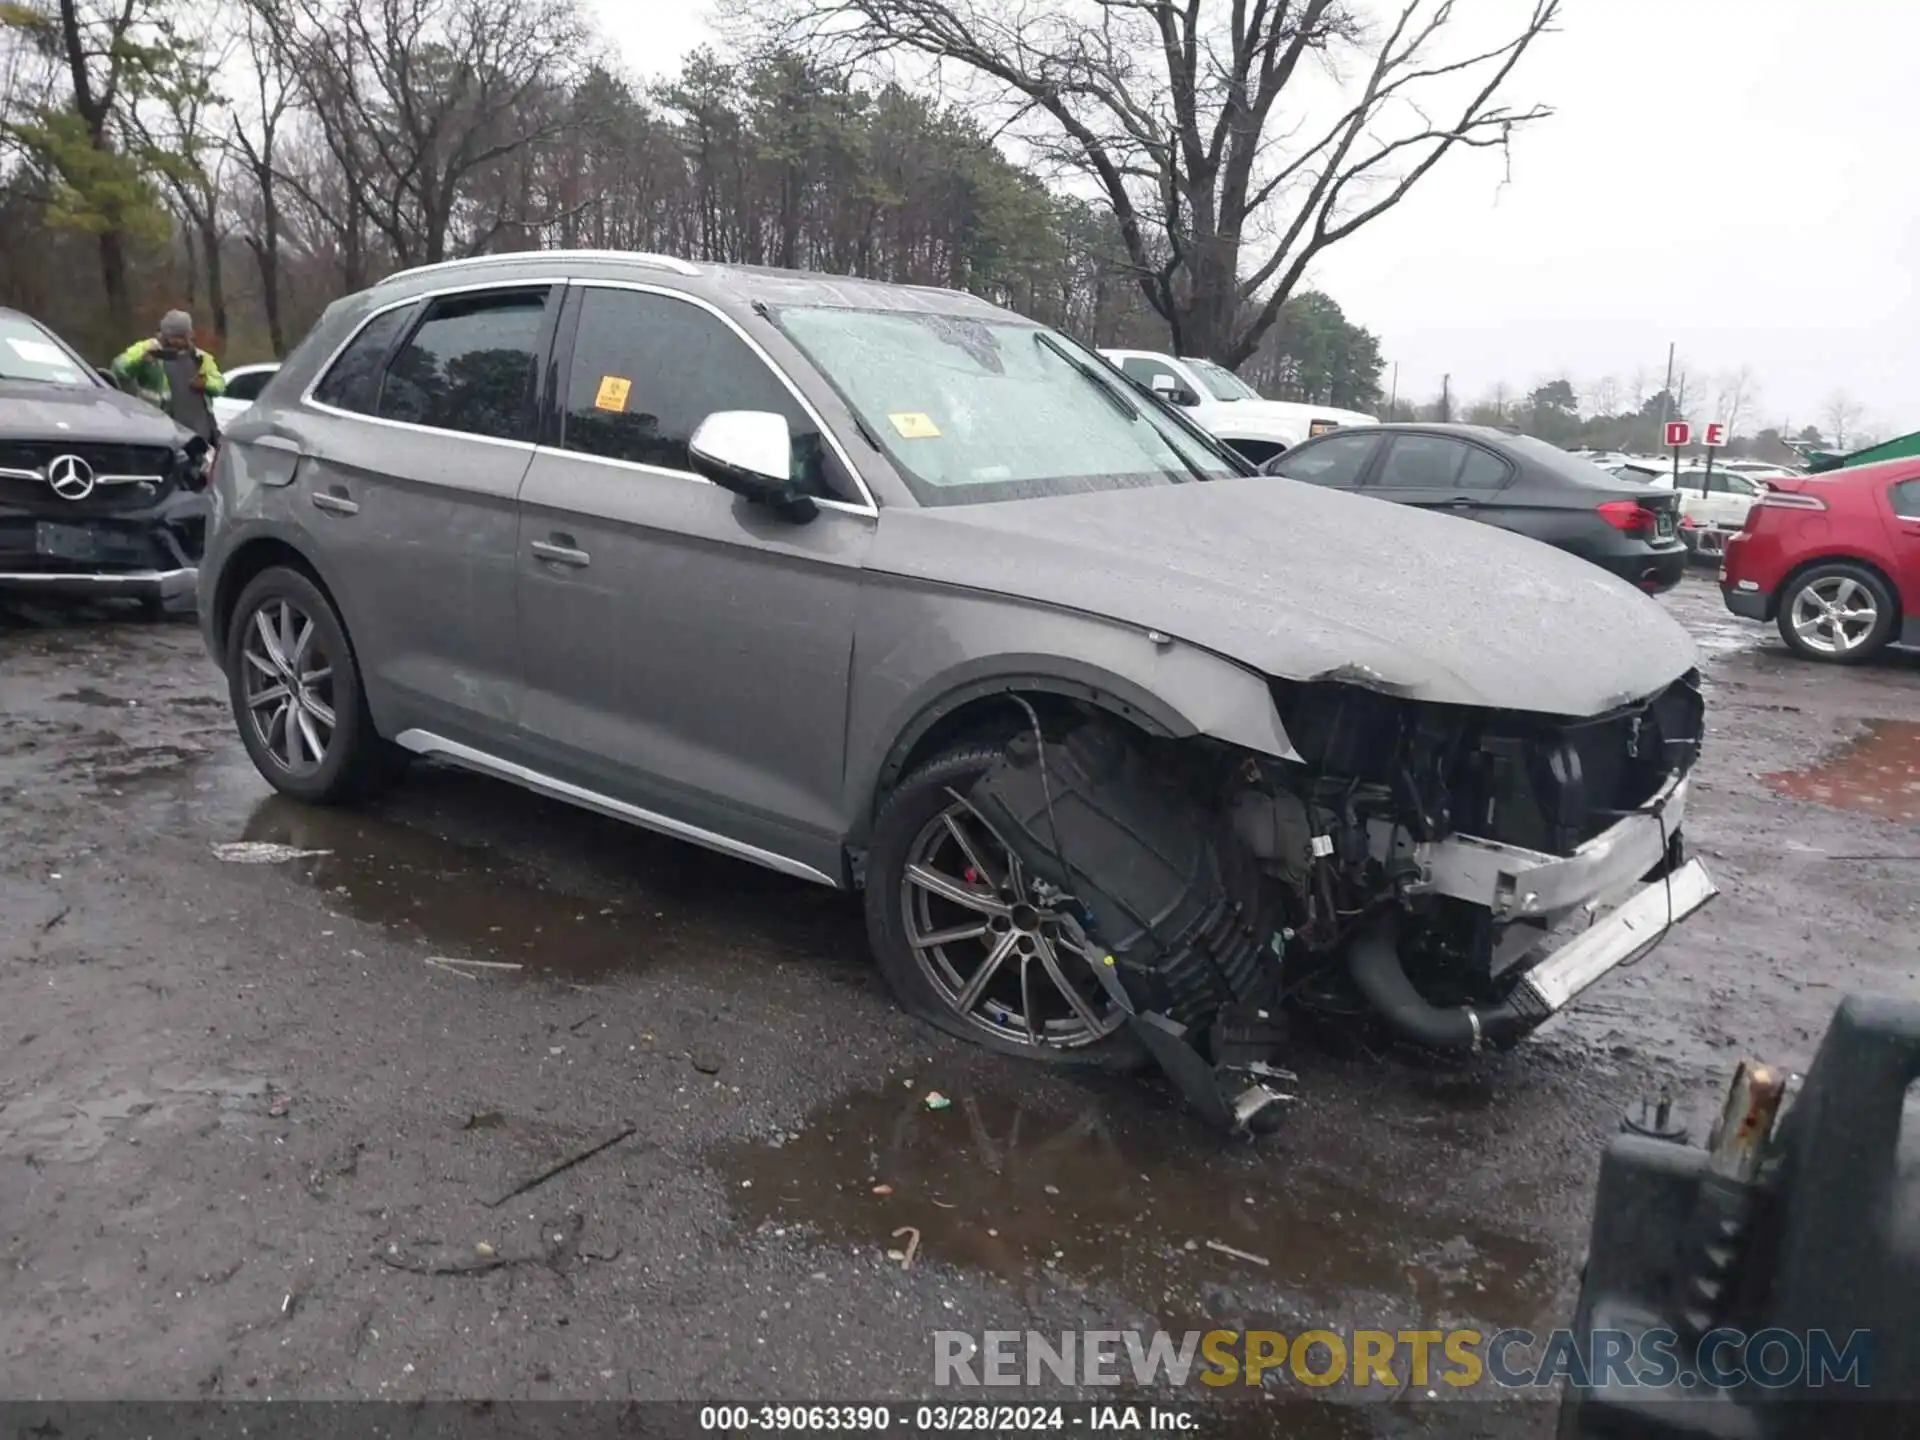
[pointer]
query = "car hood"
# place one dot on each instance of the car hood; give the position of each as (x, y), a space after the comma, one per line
(1302, 583)
(33, 411)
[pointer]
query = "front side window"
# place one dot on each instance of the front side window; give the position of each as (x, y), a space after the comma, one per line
(470, 366)
(1337, 462)
(27, 352)
(647, 369)
(973, 409)
(354, 381)
(1221, 382)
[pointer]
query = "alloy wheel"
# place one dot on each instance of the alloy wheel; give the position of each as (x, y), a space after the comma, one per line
(990, 942)
(288, 686)
(1834, 615)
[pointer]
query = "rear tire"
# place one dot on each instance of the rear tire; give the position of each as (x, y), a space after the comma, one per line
(912, 814)
(1838, 612)
(294, 684)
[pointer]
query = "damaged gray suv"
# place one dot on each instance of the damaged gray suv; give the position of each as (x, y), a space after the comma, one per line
(889, 589)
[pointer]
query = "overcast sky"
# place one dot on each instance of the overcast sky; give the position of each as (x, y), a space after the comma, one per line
(1736, 176)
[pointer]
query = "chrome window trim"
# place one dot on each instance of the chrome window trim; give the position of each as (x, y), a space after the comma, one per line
(869, 508)
(425, 742)
(306, 395)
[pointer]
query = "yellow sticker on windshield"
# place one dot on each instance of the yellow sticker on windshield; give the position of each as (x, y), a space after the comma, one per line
(612, 394)
(912, 425)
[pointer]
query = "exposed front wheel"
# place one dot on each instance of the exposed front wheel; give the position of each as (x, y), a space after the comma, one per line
(965, 941)
(296, 693)
(1838, 612)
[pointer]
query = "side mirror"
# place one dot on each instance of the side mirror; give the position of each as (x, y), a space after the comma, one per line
(750, 452)
(1172, 391)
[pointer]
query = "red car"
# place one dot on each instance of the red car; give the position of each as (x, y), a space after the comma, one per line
(1833, 559)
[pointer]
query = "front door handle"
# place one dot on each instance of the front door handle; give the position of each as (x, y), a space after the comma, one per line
(335, 501)
(562, 551)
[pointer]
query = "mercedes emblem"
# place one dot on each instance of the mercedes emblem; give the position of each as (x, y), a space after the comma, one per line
(71, 477)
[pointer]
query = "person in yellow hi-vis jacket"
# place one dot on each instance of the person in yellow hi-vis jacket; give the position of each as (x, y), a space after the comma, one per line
(170, 372)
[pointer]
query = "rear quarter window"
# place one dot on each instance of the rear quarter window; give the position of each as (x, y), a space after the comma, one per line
(1905, 498)
(353, 382)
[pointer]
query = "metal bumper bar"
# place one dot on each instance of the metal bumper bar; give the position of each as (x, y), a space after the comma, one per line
(158, 584)
(1516, 883)
(1632, 929)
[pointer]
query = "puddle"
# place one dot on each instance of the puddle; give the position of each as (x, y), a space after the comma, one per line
(1126, 1200)
(1877, 774)
(73, 1120)
(471, 902)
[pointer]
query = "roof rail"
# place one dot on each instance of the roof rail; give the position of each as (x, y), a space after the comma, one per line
(639, 257)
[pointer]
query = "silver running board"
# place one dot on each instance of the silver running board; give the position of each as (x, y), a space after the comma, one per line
(425, 742)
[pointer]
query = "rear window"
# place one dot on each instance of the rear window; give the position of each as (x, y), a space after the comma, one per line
(1563, 466)
(1906, 499)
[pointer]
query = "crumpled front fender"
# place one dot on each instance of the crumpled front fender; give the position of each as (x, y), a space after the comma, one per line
(920, 655)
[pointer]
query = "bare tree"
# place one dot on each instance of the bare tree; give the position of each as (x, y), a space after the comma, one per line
(255, 138)
(1739, 392)
(1170, 108)
(1603, 396)
(415, 98)
(1842, 414)
(182, 124)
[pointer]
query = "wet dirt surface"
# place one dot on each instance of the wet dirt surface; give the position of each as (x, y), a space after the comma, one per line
(255, 1131)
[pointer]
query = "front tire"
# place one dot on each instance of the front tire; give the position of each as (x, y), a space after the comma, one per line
(962, 942)
(1838, 612)
(296, 693)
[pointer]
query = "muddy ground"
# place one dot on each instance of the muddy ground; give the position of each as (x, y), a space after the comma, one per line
(252, 1143)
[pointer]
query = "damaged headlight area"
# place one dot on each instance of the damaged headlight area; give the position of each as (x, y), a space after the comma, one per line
(1418, 864)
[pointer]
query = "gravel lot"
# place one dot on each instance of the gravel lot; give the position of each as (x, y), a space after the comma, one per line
(253, 1144)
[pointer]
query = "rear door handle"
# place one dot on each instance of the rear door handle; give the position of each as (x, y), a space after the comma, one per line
(562, 551)
(335, 501)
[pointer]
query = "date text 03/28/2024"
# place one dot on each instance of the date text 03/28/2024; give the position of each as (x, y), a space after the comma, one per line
(945, 1418)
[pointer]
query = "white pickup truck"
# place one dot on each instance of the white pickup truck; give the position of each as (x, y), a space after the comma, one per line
(1228, 408)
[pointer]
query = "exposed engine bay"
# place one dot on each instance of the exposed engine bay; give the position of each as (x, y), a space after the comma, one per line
(1411, 864)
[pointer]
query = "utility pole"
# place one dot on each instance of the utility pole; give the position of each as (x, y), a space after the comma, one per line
(1446, 399)
(1666, 393)
(1393, 393)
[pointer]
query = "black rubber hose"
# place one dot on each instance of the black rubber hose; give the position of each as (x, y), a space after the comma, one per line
(1373, 959)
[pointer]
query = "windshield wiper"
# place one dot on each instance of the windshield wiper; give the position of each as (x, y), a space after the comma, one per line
(1100, 382)
(1106, 387)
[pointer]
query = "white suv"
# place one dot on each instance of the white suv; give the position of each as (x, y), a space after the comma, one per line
(1228, 408)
